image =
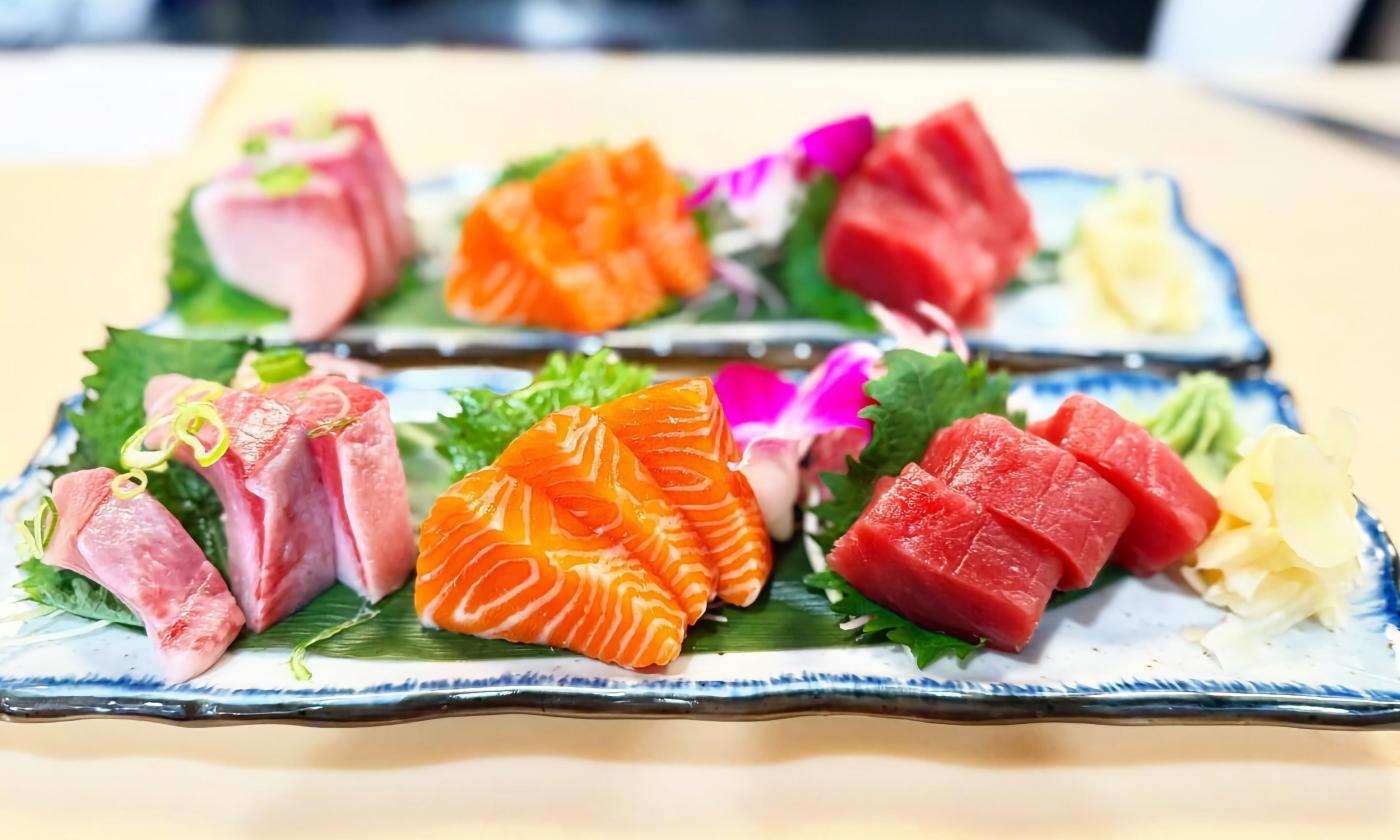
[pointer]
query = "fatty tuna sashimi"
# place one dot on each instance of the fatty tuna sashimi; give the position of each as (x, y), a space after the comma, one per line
(678, 431)
(301, 251)
(139, 552)
(391, 186)
(352, 438)
(502, 560)
(1037, 485)
(1172, 512)
(276, 512)
(945, 562)
(584, 467)
(343, 156)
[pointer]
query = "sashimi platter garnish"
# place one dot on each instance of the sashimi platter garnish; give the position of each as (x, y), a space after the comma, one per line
(845, 232)
(245, 527)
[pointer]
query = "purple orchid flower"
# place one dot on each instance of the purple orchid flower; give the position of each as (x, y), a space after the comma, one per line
(762, 193)
(776, 421)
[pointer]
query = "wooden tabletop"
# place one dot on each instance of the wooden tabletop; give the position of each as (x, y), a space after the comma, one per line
(1313, 222)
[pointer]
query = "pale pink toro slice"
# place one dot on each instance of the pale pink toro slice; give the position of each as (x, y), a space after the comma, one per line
(276, 512)
(345, 156)
(391, 186)
(302, 252)
(352, 438)
(136, 549)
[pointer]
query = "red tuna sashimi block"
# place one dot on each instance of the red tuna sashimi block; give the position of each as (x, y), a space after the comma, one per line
(932, 214)
(1172, 514)
(302, 252)
(276, 512)
(959, 141)
(943, 561)
(137, 550)
(352, 438)
(1037, 485)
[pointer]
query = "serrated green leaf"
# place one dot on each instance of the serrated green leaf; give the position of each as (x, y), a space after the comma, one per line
(810, 293)
(926, 645)
(916, 397)
(72, 593)
(487, 421)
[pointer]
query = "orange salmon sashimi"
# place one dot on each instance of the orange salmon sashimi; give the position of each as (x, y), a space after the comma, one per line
(596, 240)
(678, 431)
(501, 560)
(573, 457)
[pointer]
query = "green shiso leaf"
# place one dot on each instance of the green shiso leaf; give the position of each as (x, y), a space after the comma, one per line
(926, 645)
(282, 364)
(198, 294)
(527, 169)
(283, 181)
(111, 411)
(72, 593)
(1198, 422)
(487, 421)
(916, 397)
(810, 293)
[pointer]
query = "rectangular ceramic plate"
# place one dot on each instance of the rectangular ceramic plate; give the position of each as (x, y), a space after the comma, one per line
(1120, 654)
(1034, 328)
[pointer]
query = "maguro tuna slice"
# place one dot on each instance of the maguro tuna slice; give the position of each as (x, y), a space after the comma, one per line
(276, 512)
(575, 459)
(352, 439)
(500, 559)
(1037, 485)
(137, 550)
(1172, 512)
(302, 252)
(679, 433)
(945, 562)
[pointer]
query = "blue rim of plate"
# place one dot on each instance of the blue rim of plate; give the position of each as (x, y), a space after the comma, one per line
(795, 341)
(783, 695)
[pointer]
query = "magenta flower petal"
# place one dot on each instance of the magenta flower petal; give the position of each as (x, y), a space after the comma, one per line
(753, 397)
(839, 146)
(832, 396)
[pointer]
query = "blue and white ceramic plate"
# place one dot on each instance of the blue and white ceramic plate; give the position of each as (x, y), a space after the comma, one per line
(1121, 654)
(1036, 327)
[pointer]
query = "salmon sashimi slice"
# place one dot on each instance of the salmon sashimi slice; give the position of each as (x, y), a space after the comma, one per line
(678, 431)
(500, 559)
(574, 458)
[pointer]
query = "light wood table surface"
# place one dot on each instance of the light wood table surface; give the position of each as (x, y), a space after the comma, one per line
(1313, 222)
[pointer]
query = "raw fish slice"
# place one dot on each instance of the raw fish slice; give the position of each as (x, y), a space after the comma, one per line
(137, 550)
(956, 137)
(575, 459)
(944, 562)
(1172, 512)
(884, 247)
(500, 559)
(302, 252)
(678, 431)
(343, 156)
(391, 186)
(579, 192)
(1037, 485)
(666, 234)
(352, 438)
(276, 512)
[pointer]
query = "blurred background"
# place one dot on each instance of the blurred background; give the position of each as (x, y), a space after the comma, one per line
(1181, 32)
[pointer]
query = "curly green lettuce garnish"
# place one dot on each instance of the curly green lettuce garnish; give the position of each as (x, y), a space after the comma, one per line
(487, 422)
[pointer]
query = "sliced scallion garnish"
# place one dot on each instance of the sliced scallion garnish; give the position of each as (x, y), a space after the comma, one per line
(281, 365)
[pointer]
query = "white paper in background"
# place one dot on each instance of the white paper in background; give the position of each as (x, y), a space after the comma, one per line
(104, 105)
